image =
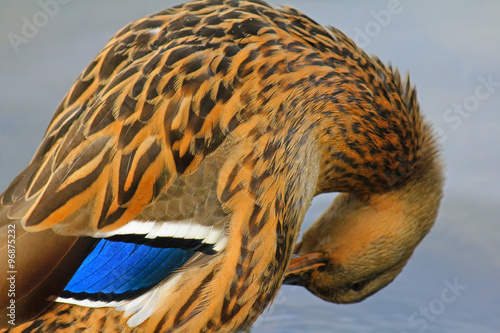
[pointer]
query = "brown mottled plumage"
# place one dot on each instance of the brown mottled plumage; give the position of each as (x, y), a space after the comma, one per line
(220, 115)
(362, 241)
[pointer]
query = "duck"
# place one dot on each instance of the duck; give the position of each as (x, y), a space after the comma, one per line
(170, 186)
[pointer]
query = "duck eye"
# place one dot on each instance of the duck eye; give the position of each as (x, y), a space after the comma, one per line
(358, 285)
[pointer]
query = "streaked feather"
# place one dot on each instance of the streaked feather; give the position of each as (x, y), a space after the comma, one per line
(198, 136)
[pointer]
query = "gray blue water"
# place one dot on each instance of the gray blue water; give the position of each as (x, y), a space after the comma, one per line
(451, 49)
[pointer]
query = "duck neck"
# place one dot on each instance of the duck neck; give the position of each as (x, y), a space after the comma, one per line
(401, 216)
(421, 195)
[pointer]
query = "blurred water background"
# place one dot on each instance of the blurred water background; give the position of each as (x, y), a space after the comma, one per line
(451, 49)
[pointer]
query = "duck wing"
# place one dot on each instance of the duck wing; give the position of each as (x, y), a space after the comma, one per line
(108, 186)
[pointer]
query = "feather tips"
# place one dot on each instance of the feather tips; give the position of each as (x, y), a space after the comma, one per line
(136, 258)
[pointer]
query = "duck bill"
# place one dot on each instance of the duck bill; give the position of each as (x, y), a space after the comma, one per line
(300, 268)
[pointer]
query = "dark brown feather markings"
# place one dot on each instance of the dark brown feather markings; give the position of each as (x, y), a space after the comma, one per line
(263, 105)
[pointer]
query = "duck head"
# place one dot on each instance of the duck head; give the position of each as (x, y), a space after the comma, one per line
(363, 240)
